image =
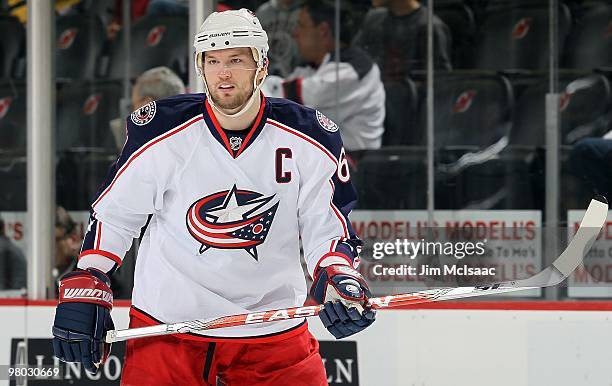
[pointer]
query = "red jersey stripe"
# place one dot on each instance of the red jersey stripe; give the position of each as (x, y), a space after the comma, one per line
(107, 254)
(143, 149)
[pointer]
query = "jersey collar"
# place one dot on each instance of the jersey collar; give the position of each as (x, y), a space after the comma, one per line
(221, 137)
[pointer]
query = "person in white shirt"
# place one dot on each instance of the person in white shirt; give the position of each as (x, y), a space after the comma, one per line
(349, 91)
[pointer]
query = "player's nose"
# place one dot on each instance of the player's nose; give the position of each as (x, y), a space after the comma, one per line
(224, 73)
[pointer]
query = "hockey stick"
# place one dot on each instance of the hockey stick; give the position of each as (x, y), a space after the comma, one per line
(559, 270)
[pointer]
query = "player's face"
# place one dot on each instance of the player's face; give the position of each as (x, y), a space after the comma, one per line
(229, 75)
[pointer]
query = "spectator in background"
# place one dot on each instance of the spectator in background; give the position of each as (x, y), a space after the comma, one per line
(137, 10)
(394, 33)
(168, 7)
(67, 244)
(67, 248)
(156, 83)
(279, 18)
(174, 7)
(19, 8)
(12, 263)
(360, 103)
(591, 161)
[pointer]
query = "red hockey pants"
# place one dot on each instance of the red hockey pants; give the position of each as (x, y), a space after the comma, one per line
(170, 360)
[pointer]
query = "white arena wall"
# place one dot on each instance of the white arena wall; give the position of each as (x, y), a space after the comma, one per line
(471, 344)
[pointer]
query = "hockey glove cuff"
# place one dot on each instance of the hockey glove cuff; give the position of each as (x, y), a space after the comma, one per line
(82, 318)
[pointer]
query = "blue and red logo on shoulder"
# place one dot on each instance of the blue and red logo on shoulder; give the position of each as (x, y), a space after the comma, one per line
(231, 219)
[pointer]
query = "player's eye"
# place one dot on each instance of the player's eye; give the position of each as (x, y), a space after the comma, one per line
(212, 61)
(236, 60)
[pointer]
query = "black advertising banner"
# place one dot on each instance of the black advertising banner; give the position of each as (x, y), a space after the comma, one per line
(37, 363)
(45, 369)
(340, 359)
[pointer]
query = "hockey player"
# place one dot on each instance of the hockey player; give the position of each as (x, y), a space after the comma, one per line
(225, 186)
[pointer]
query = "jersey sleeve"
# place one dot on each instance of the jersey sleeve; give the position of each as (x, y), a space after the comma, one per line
(135, 185)
(133, 190)
(326, 198)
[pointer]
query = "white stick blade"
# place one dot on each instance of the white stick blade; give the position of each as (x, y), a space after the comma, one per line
(592, 222)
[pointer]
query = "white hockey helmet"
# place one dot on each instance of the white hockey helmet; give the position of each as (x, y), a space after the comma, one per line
(232, 29)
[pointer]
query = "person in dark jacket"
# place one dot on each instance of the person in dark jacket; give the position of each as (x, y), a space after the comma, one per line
(394, 33)
(12, 263)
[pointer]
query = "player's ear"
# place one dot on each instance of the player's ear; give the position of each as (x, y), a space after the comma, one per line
(261, 77)
(263, 73)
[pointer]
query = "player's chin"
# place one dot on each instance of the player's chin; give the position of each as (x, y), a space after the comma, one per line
(229, 103)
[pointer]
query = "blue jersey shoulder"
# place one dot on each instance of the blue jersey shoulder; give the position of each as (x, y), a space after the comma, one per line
(158, 117)
(151, 121)
(308, 121)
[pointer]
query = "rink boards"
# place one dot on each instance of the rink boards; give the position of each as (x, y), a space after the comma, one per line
(471, 344)
(477, 343)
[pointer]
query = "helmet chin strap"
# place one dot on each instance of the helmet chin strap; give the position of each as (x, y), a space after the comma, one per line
(246, 106)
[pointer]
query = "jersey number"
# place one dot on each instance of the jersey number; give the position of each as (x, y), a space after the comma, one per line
(282, 176)
(343, 172)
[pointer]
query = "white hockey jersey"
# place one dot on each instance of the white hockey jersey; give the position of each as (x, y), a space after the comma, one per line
(361, 95)
(225, 218)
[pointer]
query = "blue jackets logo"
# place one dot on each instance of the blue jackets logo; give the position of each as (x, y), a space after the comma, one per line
(231, 219)
(326, 123)
(144, 115)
